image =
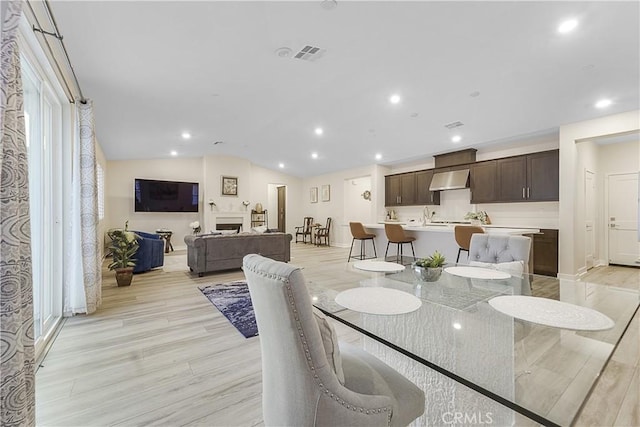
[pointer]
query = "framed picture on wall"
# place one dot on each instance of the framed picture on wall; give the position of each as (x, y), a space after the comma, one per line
(229, 186)
(326, 193)
(313, 194)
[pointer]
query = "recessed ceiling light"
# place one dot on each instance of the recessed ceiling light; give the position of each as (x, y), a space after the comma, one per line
(378, 156)
(314, 155)
(283, 52)
(394, 99)
(603, 103)
(281, 165)
(456, 138)
(457, 325)
(318, 131)
(329, 4)
(174, 153)
(567, 26)
(186, 135)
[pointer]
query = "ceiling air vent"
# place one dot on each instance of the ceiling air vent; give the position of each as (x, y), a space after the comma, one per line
(453, 125)
(310, 53)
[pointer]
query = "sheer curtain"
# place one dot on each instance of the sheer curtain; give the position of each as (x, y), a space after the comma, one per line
(17, 385)
(83, 289)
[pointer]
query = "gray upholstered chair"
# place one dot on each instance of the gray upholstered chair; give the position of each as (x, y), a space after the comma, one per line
(307, 380)
(500, 249)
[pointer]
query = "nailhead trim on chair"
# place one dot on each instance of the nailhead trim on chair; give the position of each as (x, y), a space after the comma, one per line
(287, 284)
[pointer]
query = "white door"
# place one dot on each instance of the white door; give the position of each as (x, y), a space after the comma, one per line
(624, 247)
(590, 217)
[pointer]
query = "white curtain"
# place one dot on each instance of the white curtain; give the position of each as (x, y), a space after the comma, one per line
(17, 385)
(83, 289)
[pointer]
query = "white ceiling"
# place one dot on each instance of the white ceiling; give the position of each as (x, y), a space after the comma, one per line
(156, 69)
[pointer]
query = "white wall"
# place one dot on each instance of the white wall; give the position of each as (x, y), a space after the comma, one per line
(342, 204)
(572, 218)
(208, 171)
(119, 202)
(261, 179)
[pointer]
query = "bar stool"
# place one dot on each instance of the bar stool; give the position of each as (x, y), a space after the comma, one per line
(358, 233)
(395, 234)
(463, 235)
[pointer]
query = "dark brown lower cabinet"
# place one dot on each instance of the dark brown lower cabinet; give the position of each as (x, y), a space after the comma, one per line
(545, 252)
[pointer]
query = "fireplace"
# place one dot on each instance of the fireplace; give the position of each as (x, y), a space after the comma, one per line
(229, 226)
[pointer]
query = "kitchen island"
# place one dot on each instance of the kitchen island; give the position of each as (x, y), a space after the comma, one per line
(440, 237)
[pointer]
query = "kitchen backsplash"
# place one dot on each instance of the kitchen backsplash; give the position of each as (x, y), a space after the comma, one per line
(454, 205)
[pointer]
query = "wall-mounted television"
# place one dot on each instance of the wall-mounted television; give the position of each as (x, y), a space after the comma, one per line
(165, 196)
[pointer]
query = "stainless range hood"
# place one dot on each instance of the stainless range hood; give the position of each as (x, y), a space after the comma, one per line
(451, 180)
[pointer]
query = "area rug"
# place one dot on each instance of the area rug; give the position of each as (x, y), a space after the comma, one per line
(233, 300)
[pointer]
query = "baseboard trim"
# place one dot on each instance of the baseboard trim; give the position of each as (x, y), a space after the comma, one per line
(564, 276)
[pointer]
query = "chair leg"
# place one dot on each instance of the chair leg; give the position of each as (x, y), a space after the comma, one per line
(362, 249)
(458, 258)
(399, 252)
(351, 249)
(413, 251)
(374, 248)
(385, 252)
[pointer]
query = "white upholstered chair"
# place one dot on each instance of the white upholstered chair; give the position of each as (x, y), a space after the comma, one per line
(509, 253)
(307, 380)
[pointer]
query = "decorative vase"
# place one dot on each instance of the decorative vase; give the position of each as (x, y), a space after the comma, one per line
(124, 276)
(258, 207)
(476, 222)
(426, 274)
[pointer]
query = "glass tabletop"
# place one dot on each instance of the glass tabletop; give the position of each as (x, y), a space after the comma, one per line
(542, 372)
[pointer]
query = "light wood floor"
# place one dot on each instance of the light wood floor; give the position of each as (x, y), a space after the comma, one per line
(159, 353)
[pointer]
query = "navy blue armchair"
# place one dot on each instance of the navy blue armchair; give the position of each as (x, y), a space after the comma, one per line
(150, 252)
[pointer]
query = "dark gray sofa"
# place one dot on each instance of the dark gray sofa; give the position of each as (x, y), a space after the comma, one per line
(211, 252)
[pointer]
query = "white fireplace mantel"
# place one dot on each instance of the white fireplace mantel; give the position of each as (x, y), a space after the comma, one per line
(229, 217)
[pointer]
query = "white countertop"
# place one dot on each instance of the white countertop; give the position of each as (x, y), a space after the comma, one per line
(448, 228)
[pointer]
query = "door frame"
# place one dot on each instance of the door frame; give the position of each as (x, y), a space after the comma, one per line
(605, 219)
(282, 193)
(594, 260)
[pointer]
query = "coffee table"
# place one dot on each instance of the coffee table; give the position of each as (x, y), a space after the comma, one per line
(472, 359)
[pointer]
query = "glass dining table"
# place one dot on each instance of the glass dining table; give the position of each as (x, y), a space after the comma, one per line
(475, 363)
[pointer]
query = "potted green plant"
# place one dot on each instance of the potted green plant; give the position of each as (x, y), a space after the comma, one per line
(429, 269)
(477, 218)
(124, 245)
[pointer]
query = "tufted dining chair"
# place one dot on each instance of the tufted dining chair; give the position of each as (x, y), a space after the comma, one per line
(504, 251)
(307, 379)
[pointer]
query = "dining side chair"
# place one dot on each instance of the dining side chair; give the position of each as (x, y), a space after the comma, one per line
(462, 235)
(308, 378)
(358, 233)
(395, 234)
(305, 229)
(322, 233)
(509, 253)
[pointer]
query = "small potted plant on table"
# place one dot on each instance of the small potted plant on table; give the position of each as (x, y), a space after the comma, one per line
(429, 269)
(124, 245)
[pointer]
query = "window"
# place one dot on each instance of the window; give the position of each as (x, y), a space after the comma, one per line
(43, 133)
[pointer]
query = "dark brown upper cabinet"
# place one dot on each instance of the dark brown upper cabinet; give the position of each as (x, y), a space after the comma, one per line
(423, 195)
(529, 178)
(400, 190)
(483, 178)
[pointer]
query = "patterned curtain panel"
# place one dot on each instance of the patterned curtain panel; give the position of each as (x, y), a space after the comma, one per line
(17, 392)
(91, 259)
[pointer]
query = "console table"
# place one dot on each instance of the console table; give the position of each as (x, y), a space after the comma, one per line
(166, 236)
